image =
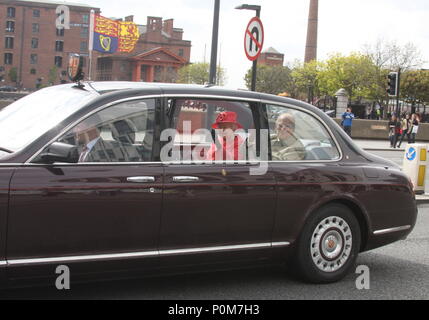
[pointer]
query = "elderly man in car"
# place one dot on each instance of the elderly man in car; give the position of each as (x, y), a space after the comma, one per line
(285, 146)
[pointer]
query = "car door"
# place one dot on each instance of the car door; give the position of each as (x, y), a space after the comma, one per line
(98, 213)
(304, 161)
(218, 211)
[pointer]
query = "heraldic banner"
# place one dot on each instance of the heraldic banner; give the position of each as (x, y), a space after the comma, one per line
(111, 36)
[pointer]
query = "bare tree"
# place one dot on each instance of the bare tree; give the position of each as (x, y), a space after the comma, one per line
(391, 55)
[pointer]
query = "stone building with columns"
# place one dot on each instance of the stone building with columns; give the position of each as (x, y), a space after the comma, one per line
(158, 55)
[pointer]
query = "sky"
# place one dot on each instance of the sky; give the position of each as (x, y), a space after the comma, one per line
(345, 26)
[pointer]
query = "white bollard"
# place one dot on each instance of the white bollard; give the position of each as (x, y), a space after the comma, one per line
(415, 163)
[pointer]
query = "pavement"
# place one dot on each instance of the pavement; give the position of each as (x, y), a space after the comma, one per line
(377, 146)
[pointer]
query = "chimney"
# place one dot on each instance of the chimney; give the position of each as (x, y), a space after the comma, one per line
(168, 26)
(154, 24)
(311, 47)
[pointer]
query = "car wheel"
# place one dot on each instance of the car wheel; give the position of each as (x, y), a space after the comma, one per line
(329, 244)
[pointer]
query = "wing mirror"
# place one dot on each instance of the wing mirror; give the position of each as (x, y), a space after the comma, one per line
(59, 152)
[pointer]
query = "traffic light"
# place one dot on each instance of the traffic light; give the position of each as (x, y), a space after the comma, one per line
(392, 84)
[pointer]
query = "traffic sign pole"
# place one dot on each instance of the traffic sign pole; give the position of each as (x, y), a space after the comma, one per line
(255, 63)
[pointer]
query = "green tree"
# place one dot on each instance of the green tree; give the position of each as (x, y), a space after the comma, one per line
(13, 74)
(415, 86)
(269, 79)
(305, 77)
(355, 73)
(53, 75)
(198, 73)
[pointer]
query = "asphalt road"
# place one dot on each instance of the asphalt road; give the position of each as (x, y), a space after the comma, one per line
(397, 271)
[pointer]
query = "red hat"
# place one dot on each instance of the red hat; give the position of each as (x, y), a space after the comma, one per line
(226, 117)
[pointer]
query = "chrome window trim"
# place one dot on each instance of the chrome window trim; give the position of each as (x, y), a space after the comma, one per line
(391, 230)
(157, 253)
(208, 96)
(329, 131)
(105, 106)
(239, 99)
(199, 96)
(3, 263)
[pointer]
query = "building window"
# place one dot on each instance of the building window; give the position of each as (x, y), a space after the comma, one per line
(84, 46)
(36, 13)
(33, 58)
(181, 52)
(11, 12)
(58, 61)
(8, 43)
(34, 43)
(60, 32)
(84, 32)
(33, 71)
(36, 28)
(8, 58)
(85, 18)
(10, 26)
(59, 46)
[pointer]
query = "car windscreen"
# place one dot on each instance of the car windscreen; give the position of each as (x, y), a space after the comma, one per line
(30, 117)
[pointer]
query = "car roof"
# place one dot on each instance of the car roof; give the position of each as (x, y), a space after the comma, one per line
(110, 87)
(103, 87)
(114, 89)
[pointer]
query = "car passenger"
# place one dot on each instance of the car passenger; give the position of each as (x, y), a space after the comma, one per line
(229, 144)
(285, 146)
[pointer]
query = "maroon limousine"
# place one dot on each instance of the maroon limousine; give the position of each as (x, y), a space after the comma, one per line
(134, 179)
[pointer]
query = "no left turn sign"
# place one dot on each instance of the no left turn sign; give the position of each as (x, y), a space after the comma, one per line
(254, 39)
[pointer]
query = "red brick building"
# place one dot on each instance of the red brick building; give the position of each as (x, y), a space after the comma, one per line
(271, 57)
(37, 52)
(159, 53)
(31, 44)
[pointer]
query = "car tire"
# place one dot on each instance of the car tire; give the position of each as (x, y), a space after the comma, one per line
(328, 245)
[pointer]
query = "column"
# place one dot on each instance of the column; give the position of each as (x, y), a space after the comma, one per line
(150, 73)
(137, 71)
(342, 102)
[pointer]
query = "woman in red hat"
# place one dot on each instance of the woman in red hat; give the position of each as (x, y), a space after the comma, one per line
(228, 142)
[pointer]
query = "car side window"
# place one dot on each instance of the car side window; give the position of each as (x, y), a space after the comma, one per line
(204, 122)
(298, 136)
(120, 133)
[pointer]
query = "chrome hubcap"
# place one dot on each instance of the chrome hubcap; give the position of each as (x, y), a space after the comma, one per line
(331, 244)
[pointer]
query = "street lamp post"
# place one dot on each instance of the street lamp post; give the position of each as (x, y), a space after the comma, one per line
(215, 35)
(255, 62)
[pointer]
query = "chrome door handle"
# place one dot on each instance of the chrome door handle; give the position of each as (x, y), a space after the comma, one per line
(141, 179)
(182, 179)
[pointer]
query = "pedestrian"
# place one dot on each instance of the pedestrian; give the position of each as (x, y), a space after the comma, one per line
(394, 131)
(348, 117)
(406, 127)
(378, 114)
(415, 121)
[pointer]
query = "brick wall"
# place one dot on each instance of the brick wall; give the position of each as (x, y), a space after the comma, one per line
(47, 37)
